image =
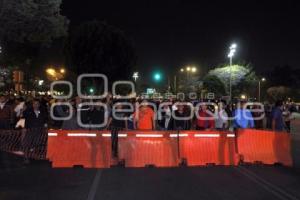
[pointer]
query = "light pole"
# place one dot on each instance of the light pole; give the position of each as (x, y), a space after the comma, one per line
(188, 70)
(259, 87)
(232, 51)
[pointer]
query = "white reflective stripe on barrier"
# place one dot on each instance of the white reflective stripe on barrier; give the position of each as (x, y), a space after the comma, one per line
(207, 135)
(52, 134)
(230, 135)
(180, 135)
(149, 135)
(122, 135)
(82, 134)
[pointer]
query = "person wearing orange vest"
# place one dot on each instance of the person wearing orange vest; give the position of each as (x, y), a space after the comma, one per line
(144, 117)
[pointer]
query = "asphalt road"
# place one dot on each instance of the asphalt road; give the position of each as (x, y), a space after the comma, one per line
(40, 182)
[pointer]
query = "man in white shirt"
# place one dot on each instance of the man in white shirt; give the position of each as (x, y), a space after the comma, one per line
(221, 121)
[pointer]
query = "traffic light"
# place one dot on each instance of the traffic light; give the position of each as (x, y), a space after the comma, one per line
(91, 90)
(157, 76)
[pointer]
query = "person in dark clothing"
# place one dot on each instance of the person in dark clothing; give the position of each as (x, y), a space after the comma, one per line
(182, 122)
(6, 113)
(35, 123)
(116, 122)
(35, 117)
(96, 116)
(277, 117)
(59, 111)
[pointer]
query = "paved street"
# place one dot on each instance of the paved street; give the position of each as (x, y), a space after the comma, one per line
(39, 181)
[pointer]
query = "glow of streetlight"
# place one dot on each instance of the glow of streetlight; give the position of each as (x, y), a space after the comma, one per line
(188, 69)
(263, 79)
(62, 70)
(233, 46)
(194, 69)
(135, 76)
(51, 71)
(41, 82)
(232, 49)
(182, 70)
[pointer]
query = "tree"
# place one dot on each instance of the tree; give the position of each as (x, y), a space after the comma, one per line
(96, 47)
(212, 83)
(243, 78)
(278, 93)
(27, 26)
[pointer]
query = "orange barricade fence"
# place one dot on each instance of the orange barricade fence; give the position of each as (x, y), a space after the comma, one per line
(91, 149)
(208, 147)
(142, 148)
(267, 147)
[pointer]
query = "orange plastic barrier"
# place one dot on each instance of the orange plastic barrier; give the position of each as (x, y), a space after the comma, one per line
(208, 147)
(267, 147)
(141, 148)
(91, 149)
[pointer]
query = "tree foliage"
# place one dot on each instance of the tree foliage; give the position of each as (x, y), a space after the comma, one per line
(212, 83)
(278, 93)
(96, 47)
(243, 78)
(27, 25)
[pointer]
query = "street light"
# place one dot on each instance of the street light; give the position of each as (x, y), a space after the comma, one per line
(40, 82)
(51, 72)
(135, 76)
(194, 69)
(62, 70)
(232, 51)
(259, 87)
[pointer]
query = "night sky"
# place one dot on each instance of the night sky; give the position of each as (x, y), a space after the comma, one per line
(169, 34)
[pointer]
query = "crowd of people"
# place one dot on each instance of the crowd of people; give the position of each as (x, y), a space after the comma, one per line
(34, 115)
(28, 112)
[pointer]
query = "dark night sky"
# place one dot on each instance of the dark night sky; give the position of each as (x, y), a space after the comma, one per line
(173, 33)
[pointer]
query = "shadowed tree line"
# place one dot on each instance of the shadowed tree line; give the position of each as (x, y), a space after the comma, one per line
(33, 33)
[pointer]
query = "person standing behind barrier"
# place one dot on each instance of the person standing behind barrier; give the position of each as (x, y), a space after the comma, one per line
(35, 117)
(287, 115)
(35, 122)
(277, 117)
(205, 119)
(116, 122)
(144, 117)
(243, 117)
(164, 117)
(6, 113)
(221, 120)
(177, 122)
